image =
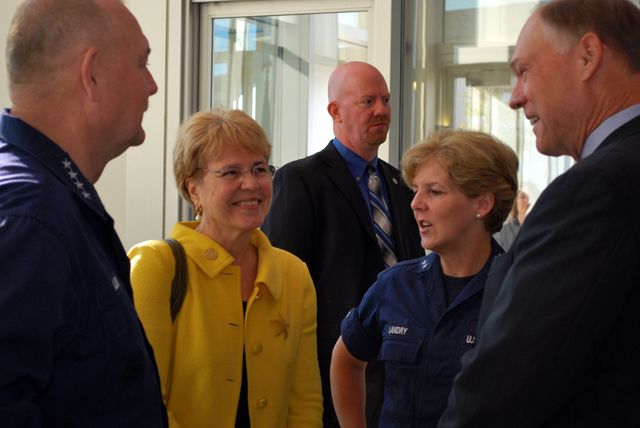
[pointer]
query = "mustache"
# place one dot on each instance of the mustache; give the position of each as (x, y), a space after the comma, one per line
(381, 121)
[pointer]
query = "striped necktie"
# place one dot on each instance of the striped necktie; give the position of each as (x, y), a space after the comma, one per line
(381, 218)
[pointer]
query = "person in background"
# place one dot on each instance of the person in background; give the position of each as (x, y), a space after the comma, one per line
(420, 316)
(72, 351)
(510, 228)
(558, 343)
(242, 349)
(322, 212)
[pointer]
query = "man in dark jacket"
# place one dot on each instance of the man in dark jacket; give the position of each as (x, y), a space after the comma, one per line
(559, 345)
(321, 212)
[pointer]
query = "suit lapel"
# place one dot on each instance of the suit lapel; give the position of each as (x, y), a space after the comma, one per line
(338, 172)
(499, 268)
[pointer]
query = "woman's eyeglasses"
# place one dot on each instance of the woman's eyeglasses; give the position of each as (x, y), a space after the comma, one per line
(233, 173)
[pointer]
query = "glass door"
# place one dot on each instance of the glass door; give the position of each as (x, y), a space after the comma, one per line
(273, 60)
(460, 78)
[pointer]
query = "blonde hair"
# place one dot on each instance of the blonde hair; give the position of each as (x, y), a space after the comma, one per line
(476, 163)
(513, 214)
(203, 137)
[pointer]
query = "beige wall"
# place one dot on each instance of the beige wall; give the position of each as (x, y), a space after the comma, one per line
(133, 185)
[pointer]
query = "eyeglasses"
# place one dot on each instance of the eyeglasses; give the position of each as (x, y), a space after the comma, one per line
(235, 173)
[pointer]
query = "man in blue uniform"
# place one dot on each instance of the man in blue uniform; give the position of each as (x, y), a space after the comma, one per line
(72, 350)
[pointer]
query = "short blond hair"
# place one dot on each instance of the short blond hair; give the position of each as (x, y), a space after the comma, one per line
(476, 163)
(203, 136)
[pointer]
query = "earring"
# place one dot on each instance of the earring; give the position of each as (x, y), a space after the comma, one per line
(477, 215)
(198, 213)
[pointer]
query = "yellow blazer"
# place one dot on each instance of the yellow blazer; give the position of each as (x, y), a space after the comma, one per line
(199, 356)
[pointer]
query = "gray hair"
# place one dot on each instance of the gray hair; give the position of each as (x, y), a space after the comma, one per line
(616, 22)
(43, 32)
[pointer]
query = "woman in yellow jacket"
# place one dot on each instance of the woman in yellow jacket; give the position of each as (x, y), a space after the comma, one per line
(242, 349)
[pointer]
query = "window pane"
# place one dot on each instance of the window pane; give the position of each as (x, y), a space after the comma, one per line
(459, 74)
(276, 69)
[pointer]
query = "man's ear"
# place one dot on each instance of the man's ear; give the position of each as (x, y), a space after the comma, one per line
(334, 111)
(590, 51)
(89, 74)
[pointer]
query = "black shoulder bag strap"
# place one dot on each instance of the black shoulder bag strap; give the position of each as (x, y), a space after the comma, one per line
(180, 278)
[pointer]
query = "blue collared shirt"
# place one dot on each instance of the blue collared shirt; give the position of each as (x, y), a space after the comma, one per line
(404, 320)
(72, 350)
(358, 168)
(607, 127)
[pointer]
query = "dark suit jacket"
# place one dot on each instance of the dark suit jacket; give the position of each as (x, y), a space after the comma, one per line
(560, 345)
(319, 214)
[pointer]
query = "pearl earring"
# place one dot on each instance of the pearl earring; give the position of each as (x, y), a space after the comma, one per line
(198, 213)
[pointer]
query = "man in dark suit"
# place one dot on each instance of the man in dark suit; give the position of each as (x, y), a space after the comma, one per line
(321, 213)
(559, 344)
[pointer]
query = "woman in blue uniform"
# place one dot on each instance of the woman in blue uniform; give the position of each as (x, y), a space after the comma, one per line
(420, 316)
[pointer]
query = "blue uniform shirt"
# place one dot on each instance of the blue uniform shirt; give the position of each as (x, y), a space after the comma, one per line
(404, 320)
(72, 351)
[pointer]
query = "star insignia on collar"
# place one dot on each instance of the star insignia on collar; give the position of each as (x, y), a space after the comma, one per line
(75, 179)
(282, 326)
